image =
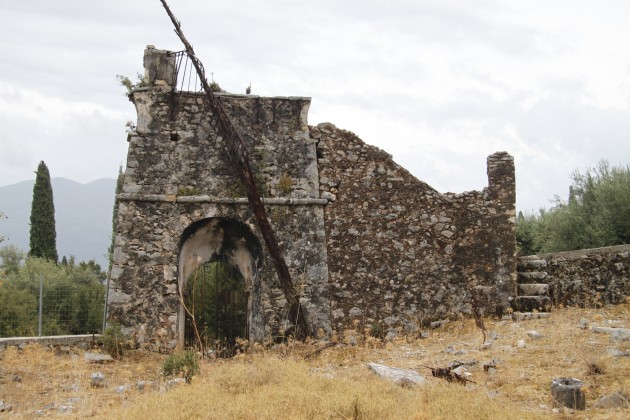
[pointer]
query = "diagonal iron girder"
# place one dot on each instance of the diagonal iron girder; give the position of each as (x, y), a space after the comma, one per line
(240, 159)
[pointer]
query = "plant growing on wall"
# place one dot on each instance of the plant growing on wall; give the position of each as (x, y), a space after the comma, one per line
(187, 191)
(130, 84)
(284, 184)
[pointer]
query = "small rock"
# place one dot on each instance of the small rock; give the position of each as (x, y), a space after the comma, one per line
(391, 336)
(493, 336)
(438, 324)
(490, 367)
(424, 334)
(493, 393)
(615, 400)
(74, 387)
(142, 385)
(64, 408)
(98, 380)
(173, 382)
(456, 363)
(521, 344)
(583, 324)
(486, 345)
(17, 378)
(616, 334)
(618, 353)
(5, 407)
(122, 388)
(534, 335)
(399, 376)
(462, 371)
(97, 358)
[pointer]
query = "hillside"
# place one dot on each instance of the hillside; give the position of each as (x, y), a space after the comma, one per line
(83, 216)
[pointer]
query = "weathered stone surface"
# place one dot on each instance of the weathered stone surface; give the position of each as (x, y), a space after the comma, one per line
(524, 316)
(532, 303)
(616, 334)
(614, 400)
(531, 277)
(97, 358)
(144, 385)
(400, 250)
(97, 380)
(364, 240)
(534, 335)
(533, 289)
(403, 377)
(583, 278)
(568, 393)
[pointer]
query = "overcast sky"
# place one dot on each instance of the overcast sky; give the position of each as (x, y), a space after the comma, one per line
(439, 84)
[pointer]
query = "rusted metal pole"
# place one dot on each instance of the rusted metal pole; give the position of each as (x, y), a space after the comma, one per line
(240, 159)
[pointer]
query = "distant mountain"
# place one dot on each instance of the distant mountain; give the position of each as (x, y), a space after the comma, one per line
(83, 217)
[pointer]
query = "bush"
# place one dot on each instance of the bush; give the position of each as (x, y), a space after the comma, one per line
(114, 340)
(184, 363)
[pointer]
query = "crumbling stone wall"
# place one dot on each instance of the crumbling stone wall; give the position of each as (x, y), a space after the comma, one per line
(399, 252)
(179, 173)
(365, 241)
(586, 277)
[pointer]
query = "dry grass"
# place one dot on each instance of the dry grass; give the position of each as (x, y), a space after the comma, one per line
(335, 383)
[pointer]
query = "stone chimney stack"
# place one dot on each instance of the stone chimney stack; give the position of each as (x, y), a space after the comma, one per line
(159, 68)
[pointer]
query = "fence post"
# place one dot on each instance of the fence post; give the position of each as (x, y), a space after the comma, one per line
(41, 299)
(105, 306)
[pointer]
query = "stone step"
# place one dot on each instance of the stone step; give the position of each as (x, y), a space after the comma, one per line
(533, 289)
(531, 277)
(532, 303)
(523, 316)
(529, 263)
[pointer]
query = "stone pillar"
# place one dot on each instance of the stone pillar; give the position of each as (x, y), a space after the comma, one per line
(501, 199)
(159, 68)
(501, 179)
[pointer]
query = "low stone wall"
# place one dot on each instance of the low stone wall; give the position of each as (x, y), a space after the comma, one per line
(84, 340)
(581, 278)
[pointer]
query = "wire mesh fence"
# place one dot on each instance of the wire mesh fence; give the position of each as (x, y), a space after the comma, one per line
(45, 306)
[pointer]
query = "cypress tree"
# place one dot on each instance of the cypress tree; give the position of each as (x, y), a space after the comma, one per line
(43, 238)
(120, 180)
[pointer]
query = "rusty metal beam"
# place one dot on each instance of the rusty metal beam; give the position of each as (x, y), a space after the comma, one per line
(240, 159)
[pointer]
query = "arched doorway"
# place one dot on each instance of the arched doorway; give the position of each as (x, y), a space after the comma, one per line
(216, 309)
(219, 260)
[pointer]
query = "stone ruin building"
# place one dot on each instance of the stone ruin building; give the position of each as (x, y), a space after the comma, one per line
(368, 245)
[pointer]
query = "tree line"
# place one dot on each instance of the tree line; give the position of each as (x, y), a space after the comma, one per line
(73, 295)
(596, 214)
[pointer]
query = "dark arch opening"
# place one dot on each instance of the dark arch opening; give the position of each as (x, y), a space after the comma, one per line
(216, 319)
(230, 246)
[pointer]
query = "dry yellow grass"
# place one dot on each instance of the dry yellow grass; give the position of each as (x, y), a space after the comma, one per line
(282, 383)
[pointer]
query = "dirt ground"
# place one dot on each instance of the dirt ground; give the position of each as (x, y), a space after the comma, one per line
(526, 355)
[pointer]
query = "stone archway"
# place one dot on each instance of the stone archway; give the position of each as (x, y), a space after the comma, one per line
(229, 241)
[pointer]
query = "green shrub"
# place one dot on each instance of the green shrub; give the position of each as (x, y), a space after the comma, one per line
(184, 363)
(114, 340)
